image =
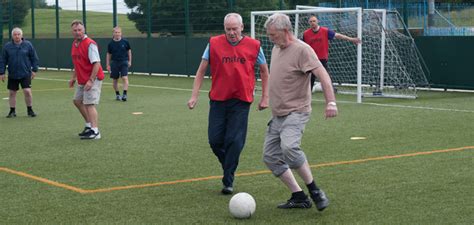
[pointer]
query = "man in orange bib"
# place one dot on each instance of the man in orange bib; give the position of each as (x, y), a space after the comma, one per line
(232, 58)
(89, 75)
(318, 38)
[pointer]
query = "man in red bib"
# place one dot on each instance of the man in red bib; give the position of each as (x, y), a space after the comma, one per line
(89, 75)
(232, 58)
(318, 38)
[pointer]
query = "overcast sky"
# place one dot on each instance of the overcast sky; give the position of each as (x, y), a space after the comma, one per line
(92, 5)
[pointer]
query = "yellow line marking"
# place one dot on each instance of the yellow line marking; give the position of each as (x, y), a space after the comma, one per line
(83, 191)
(44, 180)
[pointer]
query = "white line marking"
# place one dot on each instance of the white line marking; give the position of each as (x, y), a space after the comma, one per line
(314, 100)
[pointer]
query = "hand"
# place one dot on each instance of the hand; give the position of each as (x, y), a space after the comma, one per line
(356, 41)
(33, 75)
(71, 83)
(263, 103)
(192, 102)
(129, 64)
(88, 85)
(108, 68)
(331, 111)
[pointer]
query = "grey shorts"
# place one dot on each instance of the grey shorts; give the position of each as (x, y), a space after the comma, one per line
(90, 97)
(282, 142)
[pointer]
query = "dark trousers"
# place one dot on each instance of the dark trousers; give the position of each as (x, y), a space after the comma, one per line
(227, 132)
(313, 78)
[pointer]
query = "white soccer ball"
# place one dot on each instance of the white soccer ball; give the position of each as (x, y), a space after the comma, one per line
(242, 205)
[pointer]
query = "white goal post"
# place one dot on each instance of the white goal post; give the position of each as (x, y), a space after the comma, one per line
(351, 16)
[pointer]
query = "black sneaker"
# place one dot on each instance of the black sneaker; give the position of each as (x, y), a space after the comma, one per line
(320, 199)
(118, 98)
(293, 203)
(124, 98)
(84, 132)
(31, 113)
(11, 115)
(91, 135)
(227, 190)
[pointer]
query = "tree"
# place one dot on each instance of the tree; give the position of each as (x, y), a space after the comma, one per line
(205, 16)
(20, 10)
(42, 4)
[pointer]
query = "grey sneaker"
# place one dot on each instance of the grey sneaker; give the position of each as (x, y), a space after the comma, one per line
(320, 199)
(118, 98)
(227, 190)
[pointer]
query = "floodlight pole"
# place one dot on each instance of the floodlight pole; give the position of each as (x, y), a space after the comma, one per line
(57, 19)
(32, 19)
(10, 19)
(114, 14)
(84, 15)
(1, 26)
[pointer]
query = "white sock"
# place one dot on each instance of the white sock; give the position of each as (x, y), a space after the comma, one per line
(88, 125)
(95, 129)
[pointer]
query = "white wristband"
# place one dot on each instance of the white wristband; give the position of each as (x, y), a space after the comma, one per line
(332, 103)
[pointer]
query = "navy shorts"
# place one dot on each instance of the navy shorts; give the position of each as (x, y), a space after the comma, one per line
(118, 69)
(14, 84)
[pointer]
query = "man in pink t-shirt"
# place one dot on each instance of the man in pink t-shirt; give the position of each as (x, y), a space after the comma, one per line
(292, 64)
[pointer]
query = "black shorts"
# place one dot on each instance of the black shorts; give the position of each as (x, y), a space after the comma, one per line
(14, 84)
(118, 69)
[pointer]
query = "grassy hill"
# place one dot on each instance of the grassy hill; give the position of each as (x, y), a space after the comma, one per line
(99, 24)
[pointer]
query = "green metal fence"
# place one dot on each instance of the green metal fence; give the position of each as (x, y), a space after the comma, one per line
(172, 42)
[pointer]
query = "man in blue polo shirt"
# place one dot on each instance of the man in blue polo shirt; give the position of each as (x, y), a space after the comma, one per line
(119, 59)
(22, 61)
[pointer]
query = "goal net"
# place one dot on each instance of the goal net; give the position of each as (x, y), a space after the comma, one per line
(378, 67)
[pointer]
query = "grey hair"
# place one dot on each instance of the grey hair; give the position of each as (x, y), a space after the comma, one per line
(236, 15)
(76, 22)
(17, 29)
(279, 21)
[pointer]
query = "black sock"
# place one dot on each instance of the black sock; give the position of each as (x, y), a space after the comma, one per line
(117, 93)
(312, 186)
(124, 92)
(30, 108)
(12, 109)
(298, 195)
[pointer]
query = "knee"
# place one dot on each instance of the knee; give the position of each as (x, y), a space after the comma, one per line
(27, 93)
(294, 158)
(277, 167)
(77, 103)
(12, 94)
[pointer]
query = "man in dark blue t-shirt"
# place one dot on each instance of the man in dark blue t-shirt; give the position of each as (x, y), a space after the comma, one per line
(119, 59)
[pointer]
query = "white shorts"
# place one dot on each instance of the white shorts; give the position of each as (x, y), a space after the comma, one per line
(90, 97)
